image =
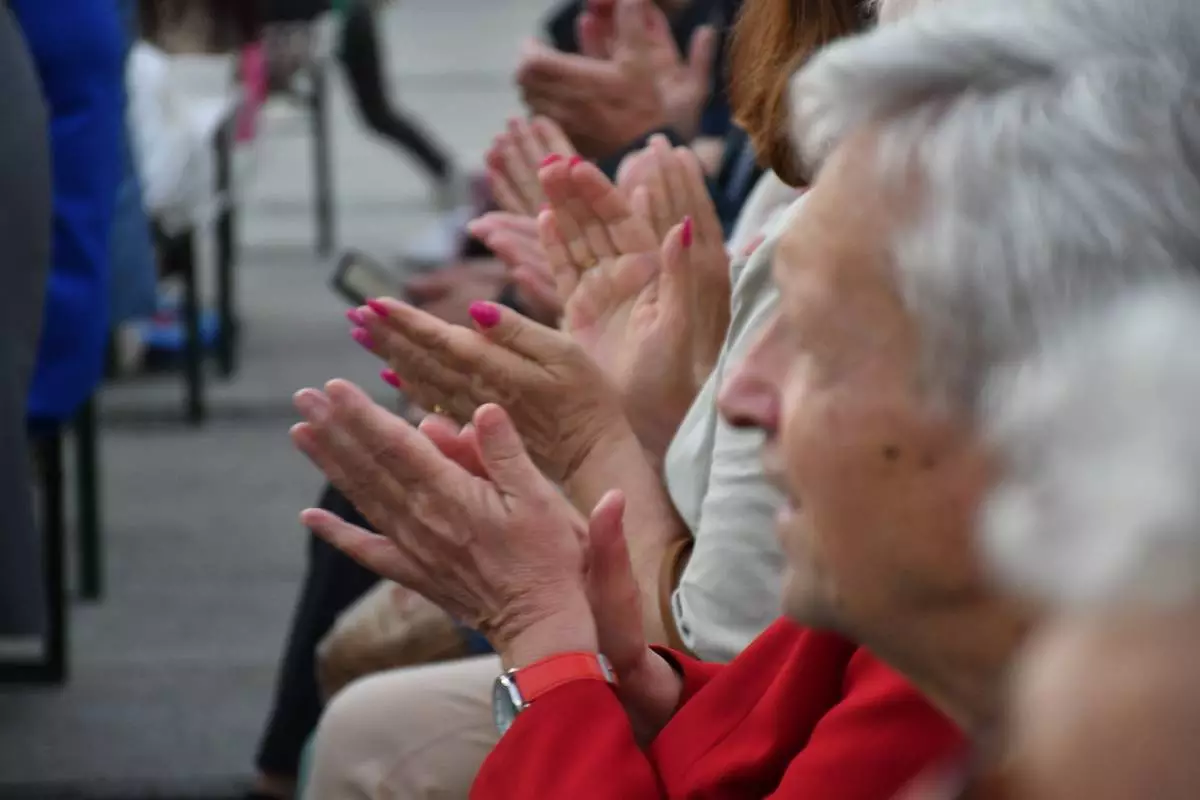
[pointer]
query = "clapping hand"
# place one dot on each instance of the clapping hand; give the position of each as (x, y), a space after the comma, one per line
(498, 547)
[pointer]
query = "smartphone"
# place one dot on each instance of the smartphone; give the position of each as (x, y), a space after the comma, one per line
(358, 278)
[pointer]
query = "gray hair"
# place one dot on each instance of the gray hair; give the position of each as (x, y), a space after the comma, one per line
(1099, 505)
(1055, 144)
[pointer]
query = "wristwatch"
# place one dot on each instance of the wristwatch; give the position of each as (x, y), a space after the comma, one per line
(516, 689)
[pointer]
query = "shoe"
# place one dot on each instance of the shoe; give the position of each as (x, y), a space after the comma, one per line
(441, 242)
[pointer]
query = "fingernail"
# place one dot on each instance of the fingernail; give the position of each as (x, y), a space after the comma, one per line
(355, 317)
(362, 337)
(485, 315)
(687, 232)
(553, 158)
(575, 161)
(391, 379)
(378, 307)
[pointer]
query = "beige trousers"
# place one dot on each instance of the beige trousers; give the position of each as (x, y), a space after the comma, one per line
(421, 732)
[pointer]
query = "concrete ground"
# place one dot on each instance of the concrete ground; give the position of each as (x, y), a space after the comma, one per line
(172, 672)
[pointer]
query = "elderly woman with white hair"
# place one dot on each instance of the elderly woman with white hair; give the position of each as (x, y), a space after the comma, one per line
(990, 174)
(1098, 523)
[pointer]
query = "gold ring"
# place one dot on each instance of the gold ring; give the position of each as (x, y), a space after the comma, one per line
(439, 410)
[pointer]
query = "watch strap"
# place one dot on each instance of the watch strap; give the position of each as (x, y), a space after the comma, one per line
(540, 677)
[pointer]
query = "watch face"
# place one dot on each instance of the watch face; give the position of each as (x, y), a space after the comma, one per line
(506, 703)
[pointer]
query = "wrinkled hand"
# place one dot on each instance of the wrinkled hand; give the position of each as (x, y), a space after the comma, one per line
(629, 300)
(602, 105)
(683, 85)
(514, 159)
(560, 402)
(502, 551)
(646, 684)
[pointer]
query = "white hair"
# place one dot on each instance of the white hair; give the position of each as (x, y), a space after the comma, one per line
(1054, 145)
(1100, 437)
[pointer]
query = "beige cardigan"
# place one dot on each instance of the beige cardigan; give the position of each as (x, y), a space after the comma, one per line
(730, 589)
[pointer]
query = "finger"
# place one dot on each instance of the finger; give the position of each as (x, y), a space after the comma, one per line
(552, 137)
(562, 266)
(591, 34)
(594, 228)
(640, 202)
(503, 454)
(661, 211)
(520, 335)
(707, 223)
(377, 553)
(702, 54)
(506, 194)
(509, 222)
(606, 204)
(631, 37)
(455, 443)
(676, 280)
(372, 491)
(521, 163)
(557, 182)
(674, 177)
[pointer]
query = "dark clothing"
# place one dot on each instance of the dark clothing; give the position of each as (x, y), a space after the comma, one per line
(364, 67)
(733, 182)
(25, 220)
(293, 10)
(332, 583)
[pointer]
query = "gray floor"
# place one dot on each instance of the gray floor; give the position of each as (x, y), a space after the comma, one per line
(172, 672)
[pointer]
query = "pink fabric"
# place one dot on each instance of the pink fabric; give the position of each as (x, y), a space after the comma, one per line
(254, 80)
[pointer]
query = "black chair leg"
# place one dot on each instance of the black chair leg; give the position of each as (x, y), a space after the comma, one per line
(51, 668)
(90, 531)
(185, 250)
(322, 164)
(226, 257)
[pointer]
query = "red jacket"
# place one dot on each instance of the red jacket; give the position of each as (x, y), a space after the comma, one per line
(799, 714)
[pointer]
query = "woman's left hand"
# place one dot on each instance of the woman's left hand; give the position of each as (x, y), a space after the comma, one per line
(560, 401)
(503, 552)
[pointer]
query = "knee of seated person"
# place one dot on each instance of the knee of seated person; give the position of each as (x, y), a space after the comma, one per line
(354, 739)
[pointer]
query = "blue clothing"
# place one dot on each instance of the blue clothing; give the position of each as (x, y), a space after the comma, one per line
(134, 272)
(78, 49)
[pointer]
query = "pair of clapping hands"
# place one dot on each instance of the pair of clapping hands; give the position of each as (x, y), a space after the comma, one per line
(637, 273)
(628, 78)
(468, 508)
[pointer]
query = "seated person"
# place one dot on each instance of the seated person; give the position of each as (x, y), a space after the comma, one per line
(870, 383)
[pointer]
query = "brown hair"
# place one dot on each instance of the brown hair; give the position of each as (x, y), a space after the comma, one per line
(771, 39)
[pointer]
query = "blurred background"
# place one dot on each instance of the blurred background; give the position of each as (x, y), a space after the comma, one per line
(181, 490)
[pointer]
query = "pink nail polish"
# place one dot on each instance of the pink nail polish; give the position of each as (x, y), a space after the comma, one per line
(355, 317)
(575, 161)
(686, 235)
(362, 337)
(378, 307)
(553, 158)
(485, 315)
(391, 379)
